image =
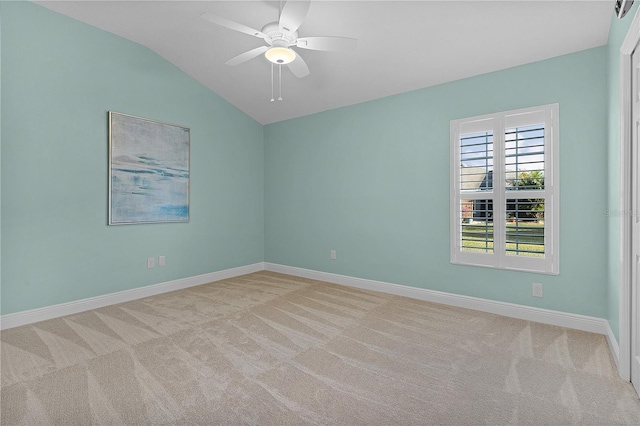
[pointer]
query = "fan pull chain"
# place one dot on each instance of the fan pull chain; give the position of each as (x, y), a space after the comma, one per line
(280, 70)
(272, 82)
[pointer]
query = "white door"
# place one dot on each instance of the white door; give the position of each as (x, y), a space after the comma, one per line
(634, 217)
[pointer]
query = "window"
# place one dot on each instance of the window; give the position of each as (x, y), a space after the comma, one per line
(504, 190)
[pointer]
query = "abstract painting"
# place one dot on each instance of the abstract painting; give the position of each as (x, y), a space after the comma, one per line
(148, 171)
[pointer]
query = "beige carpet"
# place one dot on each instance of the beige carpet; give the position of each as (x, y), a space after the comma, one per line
(270, 349)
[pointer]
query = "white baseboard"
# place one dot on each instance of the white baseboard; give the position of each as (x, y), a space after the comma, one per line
(55, 311)
(545, 316)
(613, 346)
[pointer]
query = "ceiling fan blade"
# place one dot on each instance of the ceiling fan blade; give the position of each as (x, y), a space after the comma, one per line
(244, 57)
(224, 22)
(299, 67)
(336, 44)
(293, 13)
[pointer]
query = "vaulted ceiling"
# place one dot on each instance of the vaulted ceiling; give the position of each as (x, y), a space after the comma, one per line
(402, 45)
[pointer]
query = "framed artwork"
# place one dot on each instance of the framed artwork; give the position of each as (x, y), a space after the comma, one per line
(148, 171)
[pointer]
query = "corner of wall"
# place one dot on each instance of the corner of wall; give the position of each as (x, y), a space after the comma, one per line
(616, 313)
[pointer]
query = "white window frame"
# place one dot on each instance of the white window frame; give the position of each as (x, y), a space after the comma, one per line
(498, 123)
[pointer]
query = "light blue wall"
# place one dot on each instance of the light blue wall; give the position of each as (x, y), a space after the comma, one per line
(617, 33)
(372, 182)
(59, 79)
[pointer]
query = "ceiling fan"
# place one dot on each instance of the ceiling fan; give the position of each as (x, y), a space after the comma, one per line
(280, 36)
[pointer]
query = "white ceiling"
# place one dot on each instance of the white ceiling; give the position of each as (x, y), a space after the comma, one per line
(402, 46)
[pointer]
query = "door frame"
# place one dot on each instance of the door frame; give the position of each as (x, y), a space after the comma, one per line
(626, 122)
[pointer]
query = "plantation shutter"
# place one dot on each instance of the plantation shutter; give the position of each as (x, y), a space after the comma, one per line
(504, 191)
(476, 176)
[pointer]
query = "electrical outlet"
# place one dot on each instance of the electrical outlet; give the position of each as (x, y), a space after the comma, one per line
(151, 262)
(536, 290)
(333, 255)
(161, 261)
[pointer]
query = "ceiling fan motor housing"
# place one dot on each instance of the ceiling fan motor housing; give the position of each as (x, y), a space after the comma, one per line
(279, 37)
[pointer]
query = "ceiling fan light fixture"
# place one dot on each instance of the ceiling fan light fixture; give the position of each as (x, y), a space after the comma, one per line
(280, 55)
